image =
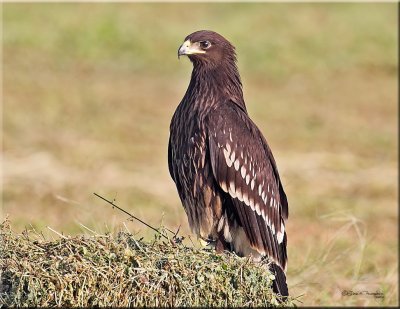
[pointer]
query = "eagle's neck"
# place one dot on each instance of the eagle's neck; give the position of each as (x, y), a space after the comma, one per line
(213, 85)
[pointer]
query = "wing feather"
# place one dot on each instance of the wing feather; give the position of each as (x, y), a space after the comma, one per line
(244, 168)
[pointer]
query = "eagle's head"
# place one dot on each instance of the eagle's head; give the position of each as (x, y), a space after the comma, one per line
(207, 48)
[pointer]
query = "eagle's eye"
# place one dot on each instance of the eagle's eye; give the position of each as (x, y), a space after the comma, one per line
(205, 44)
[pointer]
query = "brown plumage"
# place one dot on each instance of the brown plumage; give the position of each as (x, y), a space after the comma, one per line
(222, 166)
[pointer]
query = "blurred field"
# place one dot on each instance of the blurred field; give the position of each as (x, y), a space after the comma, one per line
(89, 90)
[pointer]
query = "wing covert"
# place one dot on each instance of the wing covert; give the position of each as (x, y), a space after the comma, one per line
(244, 168)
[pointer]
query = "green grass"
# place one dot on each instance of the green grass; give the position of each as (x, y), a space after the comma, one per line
(89, 91)
(120, 270)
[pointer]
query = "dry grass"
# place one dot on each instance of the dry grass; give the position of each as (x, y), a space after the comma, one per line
(88, 100)
(120, 270)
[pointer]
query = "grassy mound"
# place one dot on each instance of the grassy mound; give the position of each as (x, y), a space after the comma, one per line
(123, 271)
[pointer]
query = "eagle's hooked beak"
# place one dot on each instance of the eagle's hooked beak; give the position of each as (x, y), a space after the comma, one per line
(189, 48)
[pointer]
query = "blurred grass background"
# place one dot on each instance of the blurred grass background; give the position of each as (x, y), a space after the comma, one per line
(89, 91)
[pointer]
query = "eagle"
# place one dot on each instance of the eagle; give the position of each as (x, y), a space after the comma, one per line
(224, 171)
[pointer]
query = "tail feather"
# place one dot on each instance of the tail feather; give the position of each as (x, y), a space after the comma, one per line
(279, 285)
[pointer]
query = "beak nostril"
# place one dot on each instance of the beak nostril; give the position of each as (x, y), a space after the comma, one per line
(189, 48)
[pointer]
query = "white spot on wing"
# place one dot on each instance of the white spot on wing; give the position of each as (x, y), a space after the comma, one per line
(281, 233)
(239, 195)
(247, 179)
(246, 198)
(233, 156)
(243, 172)
(251, 200)
(237, 164)
(227, 159)
(252, 184)
(258, 209)
(280, 237)
(232, 190)
(223, 186)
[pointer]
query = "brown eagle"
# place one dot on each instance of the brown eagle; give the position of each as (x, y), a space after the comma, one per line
(223, 168)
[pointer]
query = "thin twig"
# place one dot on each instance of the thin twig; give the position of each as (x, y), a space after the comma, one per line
(90, 230)
(132, 216)
(61, 235)
(176, 233)
(191, 241)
